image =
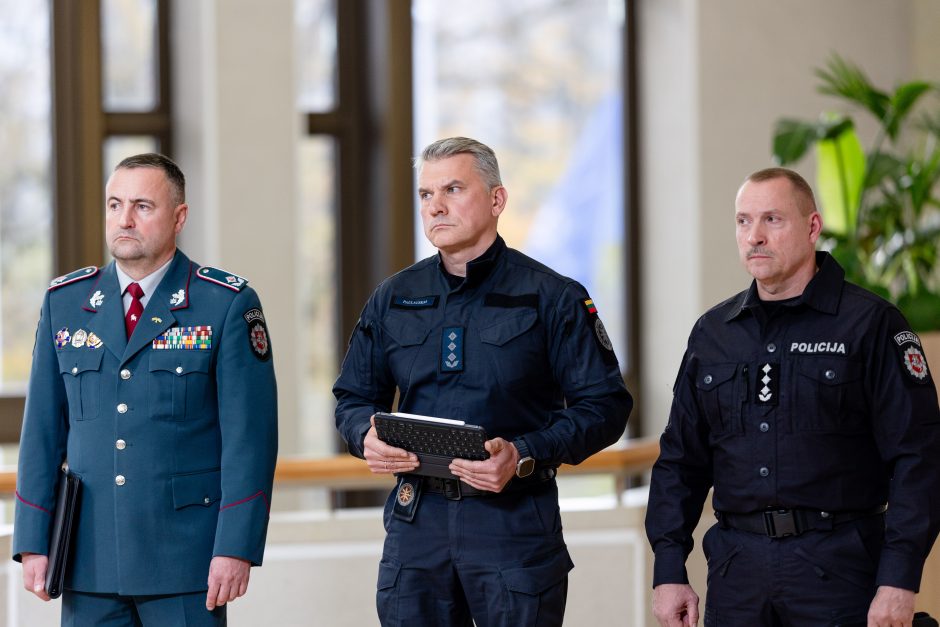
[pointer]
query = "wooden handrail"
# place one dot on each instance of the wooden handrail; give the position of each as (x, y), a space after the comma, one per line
(341, 471)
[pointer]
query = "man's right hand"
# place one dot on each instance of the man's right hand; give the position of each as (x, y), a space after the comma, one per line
(675, 605)
(385, 459)
(34, 574)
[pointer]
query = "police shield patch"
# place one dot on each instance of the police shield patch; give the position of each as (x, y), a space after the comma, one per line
(258, 334)
(912, 356)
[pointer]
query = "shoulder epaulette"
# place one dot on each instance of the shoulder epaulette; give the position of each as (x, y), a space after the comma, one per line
(72, 277)
(222, 277)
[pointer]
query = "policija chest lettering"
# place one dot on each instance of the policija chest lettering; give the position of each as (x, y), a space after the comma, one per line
(814, 347)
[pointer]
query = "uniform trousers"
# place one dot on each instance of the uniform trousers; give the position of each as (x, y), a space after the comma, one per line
(495, 560)
(84, 609)
(817, 579)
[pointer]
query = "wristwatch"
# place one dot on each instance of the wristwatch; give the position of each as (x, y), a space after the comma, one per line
(526, 463)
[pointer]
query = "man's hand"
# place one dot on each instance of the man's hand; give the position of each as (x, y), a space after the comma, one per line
(228, 580)
(891, 607)
(385, 459)
(34, 574)
(675, 605)
(491, 474)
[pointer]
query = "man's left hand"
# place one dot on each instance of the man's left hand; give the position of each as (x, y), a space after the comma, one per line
(228, 580)
(491, 474)
(891, 607)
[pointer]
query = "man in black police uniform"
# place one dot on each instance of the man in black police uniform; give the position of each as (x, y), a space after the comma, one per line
(806, 402)
(481, 333)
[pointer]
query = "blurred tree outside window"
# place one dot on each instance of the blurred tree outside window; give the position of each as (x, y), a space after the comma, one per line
(25, 183)
(541, 85)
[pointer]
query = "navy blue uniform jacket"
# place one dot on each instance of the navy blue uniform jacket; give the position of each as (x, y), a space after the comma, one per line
(515, 348)
(827, 405)
(175, 447)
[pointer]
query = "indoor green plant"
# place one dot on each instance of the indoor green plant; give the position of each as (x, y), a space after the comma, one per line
(880, 210)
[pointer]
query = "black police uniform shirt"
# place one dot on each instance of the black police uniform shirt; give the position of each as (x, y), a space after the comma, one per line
(817, 407)
(515, 348)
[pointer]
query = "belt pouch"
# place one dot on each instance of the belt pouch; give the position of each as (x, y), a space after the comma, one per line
(407, 495)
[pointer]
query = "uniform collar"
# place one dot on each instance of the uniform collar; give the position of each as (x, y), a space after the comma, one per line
(148, 284)
(823, 292)
(481, 267)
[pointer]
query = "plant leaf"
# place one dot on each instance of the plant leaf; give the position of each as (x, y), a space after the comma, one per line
(839, 177)
(841, 78)
(922, 310)
(792, 139)
(902, 101)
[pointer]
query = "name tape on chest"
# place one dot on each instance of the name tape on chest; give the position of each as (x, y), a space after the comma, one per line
(414, 302)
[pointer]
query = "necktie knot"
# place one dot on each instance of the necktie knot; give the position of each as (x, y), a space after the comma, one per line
(135, 290)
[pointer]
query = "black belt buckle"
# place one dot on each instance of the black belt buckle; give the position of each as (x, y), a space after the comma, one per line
(780, 523)
(452, 489)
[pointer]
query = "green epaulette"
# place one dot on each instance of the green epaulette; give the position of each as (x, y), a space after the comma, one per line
(222, 277)
(72, 277)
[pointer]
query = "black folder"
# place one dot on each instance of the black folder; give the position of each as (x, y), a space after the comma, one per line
(61, 541)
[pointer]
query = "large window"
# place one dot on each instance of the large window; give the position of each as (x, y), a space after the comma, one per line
(541, 85)
(25, 183)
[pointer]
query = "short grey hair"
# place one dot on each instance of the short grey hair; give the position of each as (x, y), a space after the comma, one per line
(799, 184)
(484, 158)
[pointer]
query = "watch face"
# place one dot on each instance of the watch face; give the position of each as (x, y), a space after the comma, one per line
(525, 467)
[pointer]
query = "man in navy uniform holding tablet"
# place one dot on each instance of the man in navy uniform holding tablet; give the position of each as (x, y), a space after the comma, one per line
(484, 334)
(153, 377)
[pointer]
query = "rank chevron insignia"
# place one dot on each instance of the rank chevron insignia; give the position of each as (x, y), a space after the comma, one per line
(72, 277)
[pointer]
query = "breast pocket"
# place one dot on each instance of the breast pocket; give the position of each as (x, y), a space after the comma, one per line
(408, 333)
(516, 350)
(81, 371)
(720, 389)
(829, 396)
(179, 384)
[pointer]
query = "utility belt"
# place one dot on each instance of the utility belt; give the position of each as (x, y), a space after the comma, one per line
(454, 489)
(410, 487)
(780, 523)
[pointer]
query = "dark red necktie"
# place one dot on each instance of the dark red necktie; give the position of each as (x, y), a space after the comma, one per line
(135, 310)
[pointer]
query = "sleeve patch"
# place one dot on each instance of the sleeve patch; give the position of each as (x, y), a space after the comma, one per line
(72, 277)
(258, 334)
(912, 356)
(222, 277)
(599, 332)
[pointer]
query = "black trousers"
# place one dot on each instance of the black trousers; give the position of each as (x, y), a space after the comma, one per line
(817, 579)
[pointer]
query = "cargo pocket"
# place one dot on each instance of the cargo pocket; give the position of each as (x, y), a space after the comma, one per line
(830, 396)
(179, 383)
(859, 571)
(386, 595)
(515, 347)
(537, 591)
(200, 488)
(408, 334)
(81, 371)
(720, 562)
(719, 397)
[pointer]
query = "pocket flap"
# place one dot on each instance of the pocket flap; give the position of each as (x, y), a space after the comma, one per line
(830, 371)
(201, 488)
(406, 333)
(388, 574)
(537, 578)
(709, 377)
(180, 362)
(79, 361)
(505, 330)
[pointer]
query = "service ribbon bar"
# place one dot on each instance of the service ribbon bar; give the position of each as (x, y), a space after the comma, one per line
(184, 338)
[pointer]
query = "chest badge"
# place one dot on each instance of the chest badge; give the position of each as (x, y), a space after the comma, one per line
(768, 379)
(62, 338)
(93, 341)
(78, 340)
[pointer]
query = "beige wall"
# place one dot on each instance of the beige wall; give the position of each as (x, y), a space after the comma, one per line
(715, 76)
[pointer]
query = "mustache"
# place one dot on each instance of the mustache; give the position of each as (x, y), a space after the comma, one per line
(757, 250)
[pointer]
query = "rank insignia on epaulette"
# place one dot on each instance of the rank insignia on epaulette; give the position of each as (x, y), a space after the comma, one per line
(71, 277)
(221, 277)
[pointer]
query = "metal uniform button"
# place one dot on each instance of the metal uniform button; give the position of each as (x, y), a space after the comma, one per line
(830, 374)
(764, 471)
(179, 370)
(771, 347)
(824, 514)
(207, 500)
(122, 408)
(125, 374)
(707, 379)
(764, 427)
(120, 445)
(119, 480)
(75, 370)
